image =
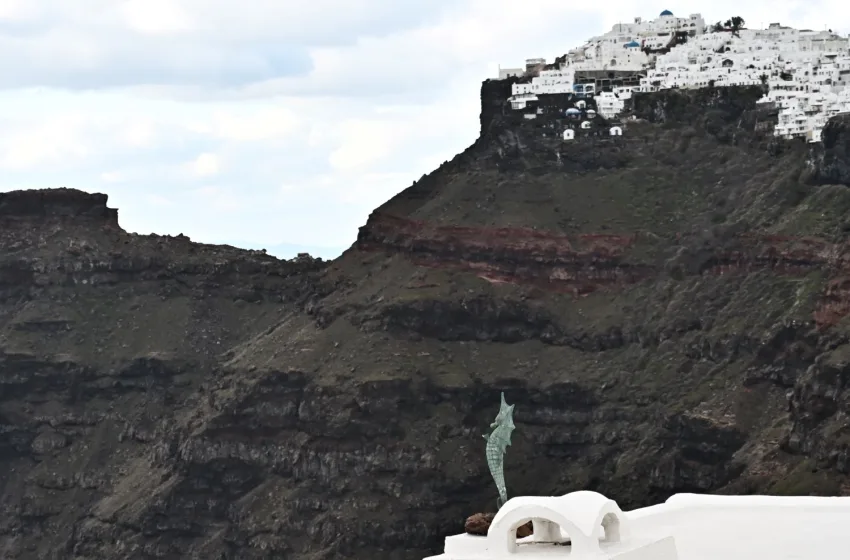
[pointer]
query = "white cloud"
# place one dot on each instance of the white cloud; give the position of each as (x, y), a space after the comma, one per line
(363, 143)
(206, 165)
(220, 199)
(17, 10)
(157, 200)
(59, 141)
(140, 132)
(156, 16)
(256, 126)
(112, 177)
(199, 45)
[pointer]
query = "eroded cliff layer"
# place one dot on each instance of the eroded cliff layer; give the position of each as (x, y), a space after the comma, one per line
(667, 309)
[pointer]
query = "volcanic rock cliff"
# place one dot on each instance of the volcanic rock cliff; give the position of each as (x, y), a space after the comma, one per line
(667, 309)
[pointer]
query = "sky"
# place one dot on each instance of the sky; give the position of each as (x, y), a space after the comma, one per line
(273, 123)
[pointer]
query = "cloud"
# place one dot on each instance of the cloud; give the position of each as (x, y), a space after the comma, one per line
(363, 143)
(157, 17)
(205, 165)
(140, 132)
(217, 44)
(416, 64)
(47, 143)
(77, 59)
(112, 177)
(254, 126)
(315, 23)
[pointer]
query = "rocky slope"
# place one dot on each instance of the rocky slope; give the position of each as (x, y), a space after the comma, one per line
(667, 309)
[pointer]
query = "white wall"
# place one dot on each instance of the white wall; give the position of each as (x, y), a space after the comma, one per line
(703, 527)
(664, 549)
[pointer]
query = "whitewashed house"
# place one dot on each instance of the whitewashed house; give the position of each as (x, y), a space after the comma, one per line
(806, 73)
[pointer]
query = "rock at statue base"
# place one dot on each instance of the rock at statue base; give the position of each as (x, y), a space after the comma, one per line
(479, 523)
(524, 530)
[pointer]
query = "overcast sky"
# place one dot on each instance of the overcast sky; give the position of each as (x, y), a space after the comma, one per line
(275, 123)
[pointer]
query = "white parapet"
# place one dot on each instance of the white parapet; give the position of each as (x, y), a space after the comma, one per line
(662, 549)
(582, 525)
(685, 527)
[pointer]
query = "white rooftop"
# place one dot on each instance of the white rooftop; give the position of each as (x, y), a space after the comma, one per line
(685, 527)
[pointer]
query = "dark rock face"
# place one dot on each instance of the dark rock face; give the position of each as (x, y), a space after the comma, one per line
(63, 202)
(668, 309)
(106, 340)
(479, 523)
(494, 94)
(701, 106)
(829, 160)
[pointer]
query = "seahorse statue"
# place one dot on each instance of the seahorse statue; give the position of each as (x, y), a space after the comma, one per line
(497, 443)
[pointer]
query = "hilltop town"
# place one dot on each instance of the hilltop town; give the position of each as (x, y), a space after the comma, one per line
(805, 73)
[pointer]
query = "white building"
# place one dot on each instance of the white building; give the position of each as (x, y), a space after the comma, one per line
(505, 73)
(586, 525)
(611, 103)
(621, 48)
(806, 73)
(547, 81)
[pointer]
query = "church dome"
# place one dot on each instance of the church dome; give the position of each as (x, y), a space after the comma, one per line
(666, 13)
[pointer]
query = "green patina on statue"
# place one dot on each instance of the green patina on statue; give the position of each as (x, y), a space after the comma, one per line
(497, 443)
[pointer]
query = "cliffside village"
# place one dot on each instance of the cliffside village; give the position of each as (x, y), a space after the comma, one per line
(805, 72)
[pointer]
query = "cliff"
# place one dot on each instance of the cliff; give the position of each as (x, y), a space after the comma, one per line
(830, 159)
(667, 309)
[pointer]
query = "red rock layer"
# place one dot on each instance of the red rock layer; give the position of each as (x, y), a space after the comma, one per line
(582, 264)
